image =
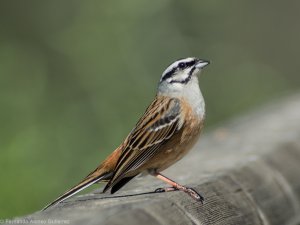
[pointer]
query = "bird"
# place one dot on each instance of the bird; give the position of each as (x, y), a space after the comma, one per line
(165, 133)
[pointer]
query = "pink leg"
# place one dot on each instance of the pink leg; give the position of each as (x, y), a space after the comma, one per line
(175, 186)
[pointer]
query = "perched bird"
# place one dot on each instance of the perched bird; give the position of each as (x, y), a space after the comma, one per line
(168, 129)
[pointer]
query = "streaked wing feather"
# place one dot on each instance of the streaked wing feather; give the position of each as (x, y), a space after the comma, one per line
(149, 134)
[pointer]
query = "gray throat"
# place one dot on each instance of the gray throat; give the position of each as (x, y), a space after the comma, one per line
(190, 92)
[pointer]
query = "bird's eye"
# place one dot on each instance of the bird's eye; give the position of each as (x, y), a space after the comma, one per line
(181, 65)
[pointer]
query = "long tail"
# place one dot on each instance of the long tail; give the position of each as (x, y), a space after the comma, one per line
(89, 180)
(104, 172)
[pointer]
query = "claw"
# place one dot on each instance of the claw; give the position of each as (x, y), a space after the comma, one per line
(159, 190)
(195, 195)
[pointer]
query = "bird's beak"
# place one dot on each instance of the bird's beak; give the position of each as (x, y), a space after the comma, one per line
(202, 63)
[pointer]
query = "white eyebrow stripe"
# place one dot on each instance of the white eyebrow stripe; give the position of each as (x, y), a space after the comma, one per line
(175, 64)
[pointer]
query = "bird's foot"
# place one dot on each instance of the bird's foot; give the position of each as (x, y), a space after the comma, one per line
(175, 186)
(194, 194)
(190, 191)
(166, 189)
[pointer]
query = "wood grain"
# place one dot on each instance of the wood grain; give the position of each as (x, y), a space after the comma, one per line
(247, 169)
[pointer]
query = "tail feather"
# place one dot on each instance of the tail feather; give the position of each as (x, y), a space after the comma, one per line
(89, 180)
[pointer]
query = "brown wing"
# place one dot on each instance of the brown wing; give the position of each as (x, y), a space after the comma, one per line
(160, 121)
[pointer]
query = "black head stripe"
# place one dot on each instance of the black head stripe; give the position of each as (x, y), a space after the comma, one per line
(169, 74)
(185, 81)
(191, 63)
(183, 65)
(180, 66)
(192, 71)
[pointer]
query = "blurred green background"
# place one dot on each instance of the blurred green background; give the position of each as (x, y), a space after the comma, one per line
(76, 75)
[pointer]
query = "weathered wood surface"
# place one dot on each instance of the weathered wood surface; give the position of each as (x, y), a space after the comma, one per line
(248, 170)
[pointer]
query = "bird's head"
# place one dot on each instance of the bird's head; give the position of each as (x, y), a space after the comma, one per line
(181, 74)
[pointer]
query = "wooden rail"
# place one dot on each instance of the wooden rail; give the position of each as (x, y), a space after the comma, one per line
(248, 170)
